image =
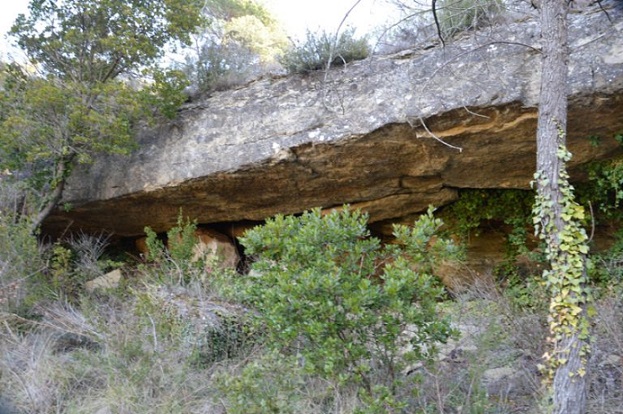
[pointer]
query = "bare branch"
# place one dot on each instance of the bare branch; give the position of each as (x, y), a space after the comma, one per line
(434, 9)
(459, 149)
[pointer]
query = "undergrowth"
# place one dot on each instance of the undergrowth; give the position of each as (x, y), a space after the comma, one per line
(314, 328)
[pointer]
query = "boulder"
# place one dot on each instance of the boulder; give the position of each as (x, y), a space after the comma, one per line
(108, 281)
(391, 135)
(214, 247)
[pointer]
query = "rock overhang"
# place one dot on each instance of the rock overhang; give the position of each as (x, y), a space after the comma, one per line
(361, 135)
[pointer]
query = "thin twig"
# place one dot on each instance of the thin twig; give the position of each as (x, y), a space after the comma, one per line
(331, 56)
(434, 9)
(475, 114)
(604, 10)
(153, 326)
(336, 38)
(398, 23)
(436, 137)
(590, 207)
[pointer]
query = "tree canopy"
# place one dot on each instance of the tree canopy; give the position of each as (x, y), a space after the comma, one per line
(93, 73)
(96, 41)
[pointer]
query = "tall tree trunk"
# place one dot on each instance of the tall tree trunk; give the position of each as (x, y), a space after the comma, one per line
(567, 358)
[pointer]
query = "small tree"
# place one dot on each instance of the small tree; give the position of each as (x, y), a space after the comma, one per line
(355, 311)
(74, 98)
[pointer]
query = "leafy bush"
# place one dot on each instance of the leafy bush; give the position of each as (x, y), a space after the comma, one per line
(321, 50)
(217, 65)
(460, 15)
(353, 311)
(30, 272)
(606, 186)
(475, 207)
(20, 255)
(269, 384)
(70, 264)
(606, 268)
(173, 262)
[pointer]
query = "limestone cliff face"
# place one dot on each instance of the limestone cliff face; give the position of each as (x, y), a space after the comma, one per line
(362, 134)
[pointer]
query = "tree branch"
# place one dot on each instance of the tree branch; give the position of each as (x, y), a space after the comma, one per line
(434, 9)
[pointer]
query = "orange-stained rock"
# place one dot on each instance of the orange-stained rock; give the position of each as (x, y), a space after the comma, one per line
(141, 245)
(214, 245)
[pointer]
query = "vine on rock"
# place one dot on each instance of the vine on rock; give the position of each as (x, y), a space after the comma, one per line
(566, 280)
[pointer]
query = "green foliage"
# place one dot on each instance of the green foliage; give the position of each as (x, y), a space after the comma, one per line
(95, 41)
(474, 207)
(157, 314)
(329, 292)
(322, 50)
(180, 241)
(456, 16)
(61, 272)
(175, 259)
(231, 9)
(216, 65)
(270, 384)
(75, 97)
(33, 138)
(204, 332)
(606, 268)
(31, 273)
(234, 336)
(20, 260)
(606, 187)
(566, 247)
(526, 293)
(69, 265)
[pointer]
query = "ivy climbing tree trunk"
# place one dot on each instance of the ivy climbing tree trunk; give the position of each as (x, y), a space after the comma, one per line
(557, 221)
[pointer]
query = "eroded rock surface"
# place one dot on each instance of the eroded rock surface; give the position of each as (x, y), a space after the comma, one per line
(362, 135)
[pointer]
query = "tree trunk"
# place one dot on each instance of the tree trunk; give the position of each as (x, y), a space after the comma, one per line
(60, 177)
(569, 382)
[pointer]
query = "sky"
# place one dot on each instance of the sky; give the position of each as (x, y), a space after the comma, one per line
(295, 15)
(8, 12)
(298, 15)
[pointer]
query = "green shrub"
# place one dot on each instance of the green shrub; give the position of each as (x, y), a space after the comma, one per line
(173, 262)
(460, 15)
(20, 261)
(354, 311)
(218, 65)
(606, 268)
(232, 337)
(269, 384)
(321, 50)
(69, 265)
(475, 207)
(20, 258)
(606, 187)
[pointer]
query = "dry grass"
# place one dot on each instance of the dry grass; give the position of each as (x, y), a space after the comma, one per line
(138, 353)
